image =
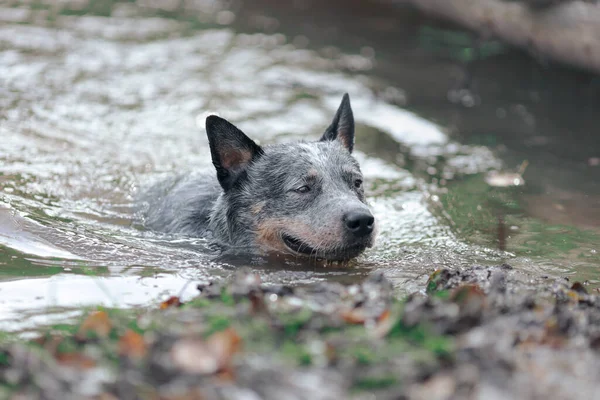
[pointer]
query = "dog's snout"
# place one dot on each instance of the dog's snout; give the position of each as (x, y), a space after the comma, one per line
(359, 223)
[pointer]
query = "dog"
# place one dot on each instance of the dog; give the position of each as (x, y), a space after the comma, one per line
(304, 199)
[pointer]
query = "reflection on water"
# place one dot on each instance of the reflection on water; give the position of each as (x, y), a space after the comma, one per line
(61, 294)
(95, 107)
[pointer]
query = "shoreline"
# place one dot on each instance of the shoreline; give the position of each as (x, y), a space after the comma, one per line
(480, 332)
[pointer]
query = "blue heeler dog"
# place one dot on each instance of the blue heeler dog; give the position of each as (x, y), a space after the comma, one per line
(302, 198)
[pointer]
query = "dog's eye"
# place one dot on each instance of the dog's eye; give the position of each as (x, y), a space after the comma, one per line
(302, 189)
(358, 183)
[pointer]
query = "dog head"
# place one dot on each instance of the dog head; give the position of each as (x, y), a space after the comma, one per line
(302, 198)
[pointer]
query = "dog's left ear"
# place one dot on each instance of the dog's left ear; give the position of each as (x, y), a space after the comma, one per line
(231, 150)
(342, 126)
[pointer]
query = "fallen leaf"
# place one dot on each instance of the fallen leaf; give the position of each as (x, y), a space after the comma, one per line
(194, 356)
(224, 345)
(172, 301)
(197, 356)
(75, 360)
(354, 316)
(226, 374)
(470, 299)
(132, 344)
(385, 315)
(466, 293)
(98, 323)
(384, 325)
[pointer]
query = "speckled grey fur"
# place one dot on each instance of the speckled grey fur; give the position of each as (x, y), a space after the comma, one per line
(258, 191)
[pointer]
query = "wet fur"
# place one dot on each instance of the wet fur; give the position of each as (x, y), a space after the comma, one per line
(256, 200)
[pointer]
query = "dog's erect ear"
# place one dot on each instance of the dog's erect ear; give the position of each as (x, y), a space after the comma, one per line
(231, 150)
(342, 126)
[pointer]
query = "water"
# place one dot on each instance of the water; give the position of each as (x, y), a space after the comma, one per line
(100, 98)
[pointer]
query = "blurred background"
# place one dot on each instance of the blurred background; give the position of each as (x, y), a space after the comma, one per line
(478, 146)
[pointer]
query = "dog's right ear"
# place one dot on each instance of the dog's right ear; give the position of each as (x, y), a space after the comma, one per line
(231, 150)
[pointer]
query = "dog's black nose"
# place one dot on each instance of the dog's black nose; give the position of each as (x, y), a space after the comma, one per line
(360, 223)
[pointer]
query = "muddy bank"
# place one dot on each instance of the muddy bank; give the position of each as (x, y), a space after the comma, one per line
(483, 332)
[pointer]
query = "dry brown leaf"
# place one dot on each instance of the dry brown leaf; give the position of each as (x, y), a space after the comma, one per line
(385, 323)
(98, 323)
(172, 301)
(194, 356)
(353, 316)
(132, 344)
(75, 360)
(385, 315)
(197, 356)
(226, 374)
(469, 296)
(465, 292)
(224, 345)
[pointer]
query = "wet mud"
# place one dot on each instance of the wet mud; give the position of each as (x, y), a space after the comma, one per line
(479, 332)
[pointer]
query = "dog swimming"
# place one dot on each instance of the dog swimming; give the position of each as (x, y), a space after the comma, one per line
(304, 199)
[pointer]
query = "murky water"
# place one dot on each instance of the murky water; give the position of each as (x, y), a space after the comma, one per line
(100, 98)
